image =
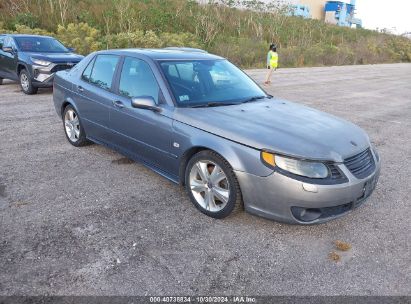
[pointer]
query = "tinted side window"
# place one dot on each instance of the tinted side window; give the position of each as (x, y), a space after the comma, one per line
(103, 70)
(6, 42)
(9, 42)
(137, 79)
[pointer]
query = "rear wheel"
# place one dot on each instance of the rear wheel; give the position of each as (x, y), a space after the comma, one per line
(26, 83)
(1, 81)
(212, 185)
(72, 127)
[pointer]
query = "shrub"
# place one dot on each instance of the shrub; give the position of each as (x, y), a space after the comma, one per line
(181, 39)
(242, 51)
(125, 40)
(84, 38)
(151, 40)
(137, 39)
(2, 29)
(27, 19)
(23, 29)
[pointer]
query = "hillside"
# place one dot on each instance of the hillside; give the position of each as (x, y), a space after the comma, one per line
(240, 35)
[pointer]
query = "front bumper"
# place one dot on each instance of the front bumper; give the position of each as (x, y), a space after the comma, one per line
(43, 76)
(285, 199)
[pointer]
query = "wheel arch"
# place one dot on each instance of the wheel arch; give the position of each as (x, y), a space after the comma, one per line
(68, 101)
(239, 157)
(21, 66)
(185, 158)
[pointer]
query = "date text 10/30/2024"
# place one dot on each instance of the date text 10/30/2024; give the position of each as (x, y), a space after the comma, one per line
(205, 299)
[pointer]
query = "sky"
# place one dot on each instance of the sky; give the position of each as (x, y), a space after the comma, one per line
(385, 14)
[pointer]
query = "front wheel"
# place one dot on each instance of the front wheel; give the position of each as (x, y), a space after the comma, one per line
(212, 185)
(26, 83)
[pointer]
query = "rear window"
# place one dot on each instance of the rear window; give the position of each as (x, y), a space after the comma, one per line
(101, 71)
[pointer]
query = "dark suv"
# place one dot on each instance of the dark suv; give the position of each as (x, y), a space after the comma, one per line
(32, 60)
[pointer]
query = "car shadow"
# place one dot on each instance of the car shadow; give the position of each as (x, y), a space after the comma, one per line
(41, 91)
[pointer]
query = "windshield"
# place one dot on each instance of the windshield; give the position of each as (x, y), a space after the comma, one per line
(40, 45)
(204, 82)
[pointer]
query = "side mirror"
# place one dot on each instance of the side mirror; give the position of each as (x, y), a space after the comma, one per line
(145, 102)
(8, 49)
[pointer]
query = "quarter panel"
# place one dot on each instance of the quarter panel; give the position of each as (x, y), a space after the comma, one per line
(62, 92)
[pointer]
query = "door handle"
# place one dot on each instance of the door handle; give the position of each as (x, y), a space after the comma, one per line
(80, 88)
(118, 104)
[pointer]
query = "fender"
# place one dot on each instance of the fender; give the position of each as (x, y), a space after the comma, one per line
(26, 67)
(191, 140)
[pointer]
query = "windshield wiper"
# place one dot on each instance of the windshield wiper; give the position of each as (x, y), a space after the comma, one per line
(213, 104)
(219, 104)
(255, 98)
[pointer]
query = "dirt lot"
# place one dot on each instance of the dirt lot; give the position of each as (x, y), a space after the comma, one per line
(86, 221)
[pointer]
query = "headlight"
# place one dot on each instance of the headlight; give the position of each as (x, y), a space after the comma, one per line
(299, 167)
(40, 62)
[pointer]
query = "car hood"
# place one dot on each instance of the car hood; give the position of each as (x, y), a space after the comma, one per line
(57, 57)
(280, 126)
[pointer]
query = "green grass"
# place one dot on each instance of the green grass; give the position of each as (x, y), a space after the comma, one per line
(239, 35)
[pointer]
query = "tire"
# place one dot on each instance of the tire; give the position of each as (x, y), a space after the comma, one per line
(209, 194)
(73, 128)
(1, 81)
(26, 83)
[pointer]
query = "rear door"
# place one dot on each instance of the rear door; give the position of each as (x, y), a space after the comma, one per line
(95, 95)
(141, 133)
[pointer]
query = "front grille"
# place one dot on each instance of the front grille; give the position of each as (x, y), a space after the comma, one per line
(361, 165)
(61, 67)
(336, 174)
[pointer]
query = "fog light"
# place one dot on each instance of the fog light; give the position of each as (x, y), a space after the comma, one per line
(310, 188)
(306, 214)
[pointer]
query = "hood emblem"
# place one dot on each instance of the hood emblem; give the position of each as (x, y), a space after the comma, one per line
(353, 143)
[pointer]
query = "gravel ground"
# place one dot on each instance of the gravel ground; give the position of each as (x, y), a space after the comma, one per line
(89, 222)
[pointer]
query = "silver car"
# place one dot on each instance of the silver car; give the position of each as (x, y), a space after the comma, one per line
(201, 122)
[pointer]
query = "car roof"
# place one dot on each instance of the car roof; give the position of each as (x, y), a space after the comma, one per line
(27, 35)
(165, 54)
(185, 49)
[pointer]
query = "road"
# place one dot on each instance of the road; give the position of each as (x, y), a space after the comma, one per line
(89, 222)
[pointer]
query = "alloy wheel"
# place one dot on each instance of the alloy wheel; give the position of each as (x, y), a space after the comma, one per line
(209, 185)
(25, 83)
(72, 125)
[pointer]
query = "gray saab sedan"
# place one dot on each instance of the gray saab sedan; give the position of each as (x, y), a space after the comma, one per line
(199, 121)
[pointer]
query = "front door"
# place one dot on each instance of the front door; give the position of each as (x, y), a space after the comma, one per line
(141, 133)
(2, 71)
(9, 60)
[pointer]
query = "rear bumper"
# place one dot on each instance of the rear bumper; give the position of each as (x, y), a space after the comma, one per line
(285, 199)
